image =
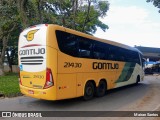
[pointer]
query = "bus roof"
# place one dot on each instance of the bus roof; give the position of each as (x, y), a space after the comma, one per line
(94, 38)
(99, 39)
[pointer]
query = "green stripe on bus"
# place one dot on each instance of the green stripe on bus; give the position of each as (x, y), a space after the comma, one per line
(126, 72)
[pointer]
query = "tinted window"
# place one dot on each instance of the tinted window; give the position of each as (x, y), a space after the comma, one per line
(121, 54)
(136, 57)
(78, 46)
(132, 56)
(112, 52)
(99, 50)
(85, 48)
(67, 43)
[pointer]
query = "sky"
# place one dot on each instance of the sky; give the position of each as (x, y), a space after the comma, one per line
(132, 22)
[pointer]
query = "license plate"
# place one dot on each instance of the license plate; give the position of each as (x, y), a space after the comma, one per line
(30, 91)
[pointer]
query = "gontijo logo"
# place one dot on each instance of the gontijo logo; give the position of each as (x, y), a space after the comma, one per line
(30, 35)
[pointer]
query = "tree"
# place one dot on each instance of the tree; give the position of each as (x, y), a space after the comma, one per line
(12, 48)
(81, 15)
(8, 24)
(21, 7)
(156, 3)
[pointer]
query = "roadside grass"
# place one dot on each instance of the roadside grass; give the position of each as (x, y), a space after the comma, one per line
(9, 85)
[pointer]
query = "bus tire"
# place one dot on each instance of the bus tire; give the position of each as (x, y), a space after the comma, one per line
(89, 91)
(101, 89)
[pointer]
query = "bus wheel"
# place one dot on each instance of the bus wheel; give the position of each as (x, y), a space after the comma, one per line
(89, 91)
(101, 89)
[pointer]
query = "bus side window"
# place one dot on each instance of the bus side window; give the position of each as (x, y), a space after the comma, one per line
(128, 56)
(70, 45)
(85, 48)
(133, 56)
(120, 56)
(112, 53)
(67, 43)
(99, 51)
(143, 61)
(136, 57)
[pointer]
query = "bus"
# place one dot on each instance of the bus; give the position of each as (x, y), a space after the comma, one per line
(60, 63)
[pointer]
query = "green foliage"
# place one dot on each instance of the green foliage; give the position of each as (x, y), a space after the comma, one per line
(79, 15)
(75, 14)
(9, 85)
(156, 3)
(8, 14)
(15, 15)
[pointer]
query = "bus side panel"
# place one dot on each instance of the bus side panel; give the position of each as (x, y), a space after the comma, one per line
(52, 64)
(66, 81)
(128, 74)
(51, 37)
(140, 72)
(52, 55)
(66, 86)
(80, 84)
(110, 77)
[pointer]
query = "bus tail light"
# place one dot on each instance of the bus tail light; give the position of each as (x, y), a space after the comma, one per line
(49, 79)
(20, 82)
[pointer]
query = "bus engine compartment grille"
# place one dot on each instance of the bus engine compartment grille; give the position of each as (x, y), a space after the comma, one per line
(32, 60)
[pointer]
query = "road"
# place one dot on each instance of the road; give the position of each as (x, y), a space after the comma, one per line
(142, 97)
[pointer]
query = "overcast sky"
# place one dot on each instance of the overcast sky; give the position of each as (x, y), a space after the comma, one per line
(132, 22)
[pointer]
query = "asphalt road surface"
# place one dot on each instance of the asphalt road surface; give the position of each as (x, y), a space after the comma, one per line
(142, 97)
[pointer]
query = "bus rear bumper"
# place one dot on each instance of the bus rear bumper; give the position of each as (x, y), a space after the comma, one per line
(46, 94)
